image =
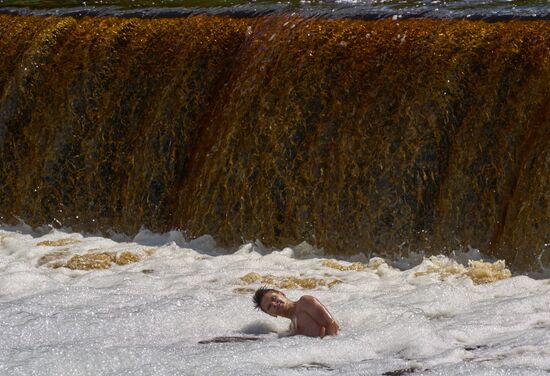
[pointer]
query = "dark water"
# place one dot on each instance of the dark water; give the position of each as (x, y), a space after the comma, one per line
(365, 9)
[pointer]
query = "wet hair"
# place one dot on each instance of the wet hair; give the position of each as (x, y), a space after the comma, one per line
(259, 295)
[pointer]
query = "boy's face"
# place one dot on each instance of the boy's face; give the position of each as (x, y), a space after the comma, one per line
(274, 303)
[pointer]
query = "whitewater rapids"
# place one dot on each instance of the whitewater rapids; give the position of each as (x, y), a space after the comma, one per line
(76, 304)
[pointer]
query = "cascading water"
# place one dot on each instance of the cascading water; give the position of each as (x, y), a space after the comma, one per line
(332, 131)
(366, 136)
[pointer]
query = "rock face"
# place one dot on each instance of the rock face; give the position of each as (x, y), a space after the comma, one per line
(356, 136)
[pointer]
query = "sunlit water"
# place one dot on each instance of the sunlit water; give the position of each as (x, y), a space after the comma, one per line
(365, 9)
(147, 317)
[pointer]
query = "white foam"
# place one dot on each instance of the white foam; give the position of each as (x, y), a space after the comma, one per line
(146, 318)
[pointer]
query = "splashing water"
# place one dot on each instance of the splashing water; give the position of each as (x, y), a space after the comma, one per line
(157, 312)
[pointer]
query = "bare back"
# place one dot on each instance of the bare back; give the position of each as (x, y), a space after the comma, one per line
(312, 319)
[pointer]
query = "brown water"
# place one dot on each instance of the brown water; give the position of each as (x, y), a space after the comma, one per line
(374, 136)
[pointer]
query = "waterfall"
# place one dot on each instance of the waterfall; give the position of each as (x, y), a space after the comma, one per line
(381, 137)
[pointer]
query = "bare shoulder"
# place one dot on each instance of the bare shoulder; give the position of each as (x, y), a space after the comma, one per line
(308, 300)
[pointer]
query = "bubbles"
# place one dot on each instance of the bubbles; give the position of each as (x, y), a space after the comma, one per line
(149, 315)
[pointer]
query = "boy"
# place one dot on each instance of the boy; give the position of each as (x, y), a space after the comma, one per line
(307, 315)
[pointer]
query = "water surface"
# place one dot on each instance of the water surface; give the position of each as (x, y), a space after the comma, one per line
(149, 315)
(471, 9)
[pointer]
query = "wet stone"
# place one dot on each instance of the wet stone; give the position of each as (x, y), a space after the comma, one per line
(91, 261)
(400, 372)
(289, 282)
(58, 243)
(313, 366)
(54, 258)
(125, 258)
(229, 339)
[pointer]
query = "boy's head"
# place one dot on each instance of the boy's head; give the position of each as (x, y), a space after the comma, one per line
(270, 301)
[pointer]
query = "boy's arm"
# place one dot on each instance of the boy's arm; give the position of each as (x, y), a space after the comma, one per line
(320, 314)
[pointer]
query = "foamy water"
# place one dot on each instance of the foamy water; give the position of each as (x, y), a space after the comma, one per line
(161, 295)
